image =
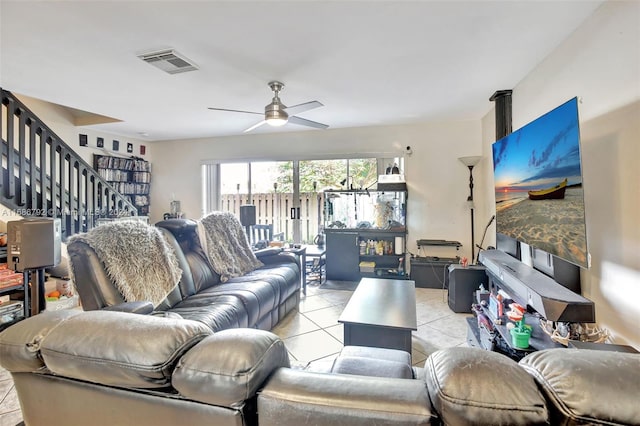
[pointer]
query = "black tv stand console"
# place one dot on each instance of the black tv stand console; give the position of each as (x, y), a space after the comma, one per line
(544, 298)
(530, 287)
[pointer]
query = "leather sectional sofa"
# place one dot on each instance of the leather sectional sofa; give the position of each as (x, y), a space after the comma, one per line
(118, 368)
(205, 358)
(259, 299)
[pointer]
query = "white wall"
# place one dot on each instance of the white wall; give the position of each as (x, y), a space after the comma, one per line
(62, 122)
(438, 183)
(599, 62)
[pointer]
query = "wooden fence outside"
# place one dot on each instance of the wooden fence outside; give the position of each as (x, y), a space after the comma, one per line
(275, 208)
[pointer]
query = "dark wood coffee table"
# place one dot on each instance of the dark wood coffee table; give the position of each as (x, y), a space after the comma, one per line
(381, 313)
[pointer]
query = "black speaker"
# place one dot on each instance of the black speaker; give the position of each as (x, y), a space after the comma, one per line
(33, 243)
(248, 215)
(463, 282)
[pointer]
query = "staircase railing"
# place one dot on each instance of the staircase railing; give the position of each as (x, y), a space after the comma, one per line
(43, 177)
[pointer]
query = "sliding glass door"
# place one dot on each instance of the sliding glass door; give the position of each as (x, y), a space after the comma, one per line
(287, 194)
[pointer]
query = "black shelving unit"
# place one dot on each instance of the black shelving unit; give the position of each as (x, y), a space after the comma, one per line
(19, 291)
(129, 176)
(344, 257)
(432, 271)
(366, 226)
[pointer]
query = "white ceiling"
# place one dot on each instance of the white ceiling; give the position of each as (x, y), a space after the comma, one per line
(369, 62)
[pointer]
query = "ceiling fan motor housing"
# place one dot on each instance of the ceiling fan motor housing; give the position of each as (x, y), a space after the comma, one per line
(275, 112)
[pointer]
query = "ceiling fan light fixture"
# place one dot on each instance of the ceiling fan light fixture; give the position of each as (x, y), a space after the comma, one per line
(276, 117)
(276, 122)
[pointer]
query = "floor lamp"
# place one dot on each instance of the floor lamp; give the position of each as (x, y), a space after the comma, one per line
(470, 162)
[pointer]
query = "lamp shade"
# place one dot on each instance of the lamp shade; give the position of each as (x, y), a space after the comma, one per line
(470, 161)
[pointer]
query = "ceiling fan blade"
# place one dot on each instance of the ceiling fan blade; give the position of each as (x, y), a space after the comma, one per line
(236, 110)
(255, 126)
(304, 122)
(297, 109)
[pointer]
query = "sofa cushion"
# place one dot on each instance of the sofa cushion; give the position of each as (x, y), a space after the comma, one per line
(259, 298)
(588, 386)
(216, 311)
(228, 367)
(372, 367)
(474, 386)
(296, 397)
(119, 348)
(394, 355)
(197, 272)
(283, 272)
(373, 362)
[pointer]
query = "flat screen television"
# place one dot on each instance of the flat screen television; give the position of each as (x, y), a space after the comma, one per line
(538, 185)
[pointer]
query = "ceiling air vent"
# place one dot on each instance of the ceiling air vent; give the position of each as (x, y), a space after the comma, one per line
(169, 61)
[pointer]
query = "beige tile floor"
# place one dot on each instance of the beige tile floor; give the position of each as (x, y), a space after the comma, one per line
(313, 333)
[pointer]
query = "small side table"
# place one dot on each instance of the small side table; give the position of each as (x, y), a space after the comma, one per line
(301, 255)
(317, 253)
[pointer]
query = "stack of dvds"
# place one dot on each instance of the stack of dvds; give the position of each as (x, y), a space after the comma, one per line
(11, 311)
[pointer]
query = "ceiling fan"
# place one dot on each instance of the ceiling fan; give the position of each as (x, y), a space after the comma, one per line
(278, 114)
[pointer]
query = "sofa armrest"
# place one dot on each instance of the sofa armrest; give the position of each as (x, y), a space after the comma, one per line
(118, 348)
(141, 307)
(276, 255)
(269, 251)
(228, 367)
(297, 397)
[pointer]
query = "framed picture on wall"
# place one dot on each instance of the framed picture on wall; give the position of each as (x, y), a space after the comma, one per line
(129, 147)
(116, 145)
(100, 142)
(83, 140)
(143, 149)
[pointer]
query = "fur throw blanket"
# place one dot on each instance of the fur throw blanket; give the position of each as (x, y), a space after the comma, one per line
(136, 257)
(225, 243)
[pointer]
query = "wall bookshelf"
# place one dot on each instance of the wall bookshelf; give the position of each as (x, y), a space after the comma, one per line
(129, 176)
